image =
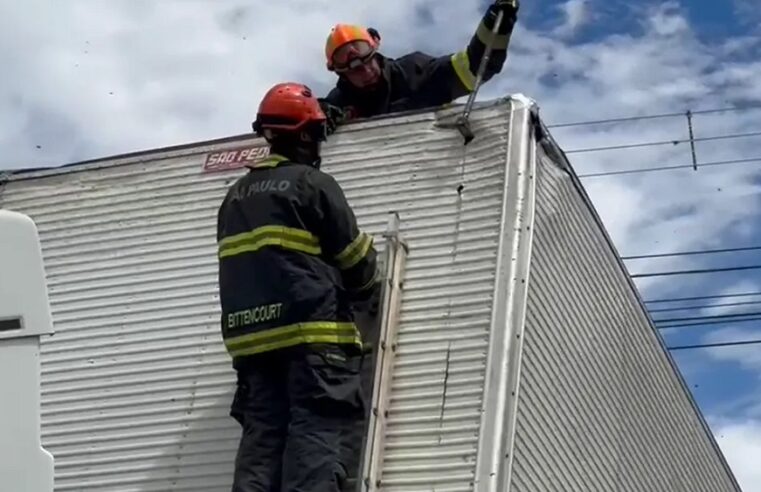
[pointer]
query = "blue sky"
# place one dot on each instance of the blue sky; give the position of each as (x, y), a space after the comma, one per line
(713, 382)
(92, 79)
(710, 20)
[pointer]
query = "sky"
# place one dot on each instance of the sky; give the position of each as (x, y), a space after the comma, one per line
(86, 79)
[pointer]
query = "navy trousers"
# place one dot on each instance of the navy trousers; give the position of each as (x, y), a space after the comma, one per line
(299, 409)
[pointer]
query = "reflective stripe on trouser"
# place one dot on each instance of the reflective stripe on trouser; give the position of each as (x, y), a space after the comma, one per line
(296, 334)
(270, 235)
(296, 409)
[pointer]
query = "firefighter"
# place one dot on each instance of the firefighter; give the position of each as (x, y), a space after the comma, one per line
(371, 84)
(292, 264)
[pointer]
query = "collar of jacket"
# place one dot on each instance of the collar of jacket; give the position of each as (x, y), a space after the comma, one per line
(272, 160)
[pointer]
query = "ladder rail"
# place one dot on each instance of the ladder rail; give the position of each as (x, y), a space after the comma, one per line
(396, 256)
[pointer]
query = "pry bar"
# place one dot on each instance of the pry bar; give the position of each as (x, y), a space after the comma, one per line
(463, 121)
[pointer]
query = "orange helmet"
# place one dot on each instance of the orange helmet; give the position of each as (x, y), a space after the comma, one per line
(362, 43)
(289, 107)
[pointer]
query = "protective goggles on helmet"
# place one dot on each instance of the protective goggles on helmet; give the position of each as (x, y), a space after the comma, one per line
(352, 55)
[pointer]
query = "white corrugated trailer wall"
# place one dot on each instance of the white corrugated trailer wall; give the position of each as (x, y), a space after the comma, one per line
(136, 385)
(601, 406)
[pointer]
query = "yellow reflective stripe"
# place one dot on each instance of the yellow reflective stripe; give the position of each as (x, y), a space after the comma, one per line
(270, 241)
(354, 252)
(484, 35)
(287, 336)
(461, 64)
(286, 237)
(287, 331)
(343, 340)
(270, 161)
(292, 232)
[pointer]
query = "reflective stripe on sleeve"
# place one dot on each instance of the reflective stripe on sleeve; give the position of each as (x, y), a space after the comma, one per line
(461, 64)
(355, 251)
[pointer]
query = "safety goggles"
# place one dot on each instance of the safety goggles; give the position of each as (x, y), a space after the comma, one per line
(352, 55)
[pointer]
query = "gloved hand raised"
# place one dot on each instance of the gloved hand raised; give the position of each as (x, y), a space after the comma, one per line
(509, 7)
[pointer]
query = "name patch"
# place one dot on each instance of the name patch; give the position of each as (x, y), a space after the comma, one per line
(258, 314)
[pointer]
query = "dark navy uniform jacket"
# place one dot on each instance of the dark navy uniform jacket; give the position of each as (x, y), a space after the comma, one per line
(291, 260)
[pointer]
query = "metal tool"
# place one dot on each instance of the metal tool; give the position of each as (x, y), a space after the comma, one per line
(463, 121)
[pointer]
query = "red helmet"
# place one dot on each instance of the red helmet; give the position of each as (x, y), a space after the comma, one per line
(289, 107)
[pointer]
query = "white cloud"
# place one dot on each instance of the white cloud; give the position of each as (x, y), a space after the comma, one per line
(92, 78)
(748, 356)
(748, 11)
(667, 20)
(734, 305)
(740, 437)
(740, 441)
(665, 69)
(576, 14)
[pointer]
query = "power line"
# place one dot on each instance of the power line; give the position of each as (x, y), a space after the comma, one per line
(665, 142)
(707, 306)
(720, 344)
(704, 323)
(654, 116)
(669, 168)
(708, 317)
(696, 272)
(700, 298)
(689, 253)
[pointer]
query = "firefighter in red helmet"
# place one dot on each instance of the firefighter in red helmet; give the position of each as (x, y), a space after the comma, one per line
(292, 266)
(371, 84)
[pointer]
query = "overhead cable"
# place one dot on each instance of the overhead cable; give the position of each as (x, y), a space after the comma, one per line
(705, 323)
(704, 306)
(719, 344)
(697, 271)
(670, 168)
(699, 298)
(749, 107)
(664, 142)
(708, 317)
(689, 253)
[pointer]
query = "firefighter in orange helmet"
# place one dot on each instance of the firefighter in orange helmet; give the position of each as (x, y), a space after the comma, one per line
(371, 84)
(293, 266)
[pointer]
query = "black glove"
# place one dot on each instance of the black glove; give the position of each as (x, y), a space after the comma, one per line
(509, 7)
(368, 301)
(510, 12)
(334, 114)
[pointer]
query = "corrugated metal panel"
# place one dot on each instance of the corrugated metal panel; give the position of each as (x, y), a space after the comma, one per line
(135, 383)
(600, 405)
(438, 376)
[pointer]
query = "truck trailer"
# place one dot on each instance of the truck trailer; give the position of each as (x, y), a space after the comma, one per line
(512, 351)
